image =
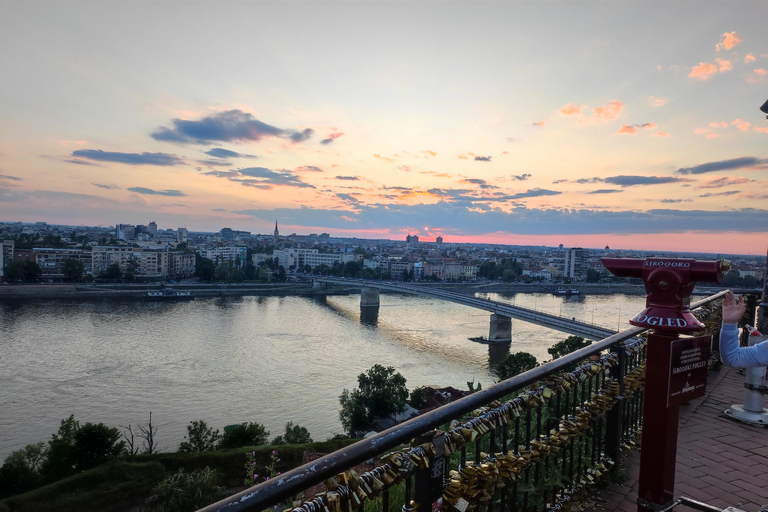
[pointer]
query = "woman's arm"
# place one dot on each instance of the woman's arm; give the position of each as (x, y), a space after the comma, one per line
(730, 352)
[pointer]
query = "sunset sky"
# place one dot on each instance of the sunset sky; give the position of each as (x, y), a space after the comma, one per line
(634, 125)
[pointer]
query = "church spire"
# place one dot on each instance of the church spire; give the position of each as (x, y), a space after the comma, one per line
(276, 235)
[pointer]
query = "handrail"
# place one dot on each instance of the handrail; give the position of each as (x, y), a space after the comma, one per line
(315, 472)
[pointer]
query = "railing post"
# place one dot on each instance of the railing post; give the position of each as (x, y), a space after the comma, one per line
(613, 425)
(429, 481)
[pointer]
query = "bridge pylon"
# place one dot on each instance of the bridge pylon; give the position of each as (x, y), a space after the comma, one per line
(501, 329)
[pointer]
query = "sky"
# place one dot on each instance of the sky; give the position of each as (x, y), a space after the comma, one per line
(629, 124)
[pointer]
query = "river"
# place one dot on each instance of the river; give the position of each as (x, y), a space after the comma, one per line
(229, 360)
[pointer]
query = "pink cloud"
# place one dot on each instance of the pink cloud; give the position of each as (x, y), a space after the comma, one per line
(629, 130)
(703, 71)
(725, 65)
(761, 129)
(712, 135)
(570, 109)
(730, 40)
(757, 76)
(741, 125)
(749, 58)
(609, 112)
(723, 182)
(699, 131)
(539, 123)
(657, 102)
(660, 134)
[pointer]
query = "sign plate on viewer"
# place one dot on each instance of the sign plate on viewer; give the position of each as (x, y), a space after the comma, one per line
(688, 369)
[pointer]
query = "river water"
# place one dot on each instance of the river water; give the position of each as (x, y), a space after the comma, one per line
(229, 360)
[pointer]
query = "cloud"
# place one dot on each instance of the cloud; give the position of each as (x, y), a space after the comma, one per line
(309, 168)
(723, 182)
(81, 162)
(520, 177)
(724, 65)
(466, 219)
(660, 134)
(749, 58)
(432, 153)
(605, 191)
(582, 181)
(511, 139)
(214, 163)
(741, 125)
(744, 162)
(535, 192)
(477, 181)
(262, 178)
(218, 210)
(332, 137)
(761, 129)
(348, 178)
(226, 153)
(715, 194)
(631, 181)
(703, 71)
(570, 109)
(226, 126)
(7, 177)
(675, 200)
(538, 124)
(347, 197)
(161, 159)
(729, 41)
(609, 112)
(142, 190)
(631, 129)
(559, 181)
(757, 76)
(657, 102)
(482, 159)
(108, 187)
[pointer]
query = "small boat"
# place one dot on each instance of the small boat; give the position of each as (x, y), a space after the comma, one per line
(168, 294)
(566, 291)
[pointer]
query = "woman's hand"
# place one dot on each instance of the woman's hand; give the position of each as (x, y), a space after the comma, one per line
(733, 308)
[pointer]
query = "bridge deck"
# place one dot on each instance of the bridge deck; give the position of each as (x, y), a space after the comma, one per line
(567, 325)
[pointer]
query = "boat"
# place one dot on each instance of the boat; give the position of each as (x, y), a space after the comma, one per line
(566, 291)
(168, 294)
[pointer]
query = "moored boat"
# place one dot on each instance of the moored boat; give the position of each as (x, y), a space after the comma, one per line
(168, 294)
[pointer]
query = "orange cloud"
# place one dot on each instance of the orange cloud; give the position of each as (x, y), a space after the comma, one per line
(703, 71)
(657, 102)
(463, 157)
(761, 129)
(730, 40)
(629, 130)
(430, 152)
(741, 125)
(539, 123)
(660, 134)
(699, 131)
(570, 109)
(712, 135)
(383, 158)
(749, 58)
(725, 65)
(609, 112)
(757, 76)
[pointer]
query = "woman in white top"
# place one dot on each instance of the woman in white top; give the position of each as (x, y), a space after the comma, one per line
(730, 352)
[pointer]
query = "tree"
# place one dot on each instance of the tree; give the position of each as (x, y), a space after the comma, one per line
(516, 364)
(418, 397)
(20, 470)
(222, 272)
(114, 272)
(245, 434)
(568, 345)
(200, 438)
(205, 269)
(294, 434)
(381, 392)
(73, 269)
(96, 444)
(26, 271)
(593, 275)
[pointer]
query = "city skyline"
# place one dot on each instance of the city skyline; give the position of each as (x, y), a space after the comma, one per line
(633, 125)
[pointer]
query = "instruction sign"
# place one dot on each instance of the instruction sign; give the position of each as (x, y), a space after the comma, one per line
(688, 362)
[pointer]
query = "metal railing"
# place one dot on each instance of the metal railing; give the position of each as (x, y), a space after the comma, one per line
(535, 441)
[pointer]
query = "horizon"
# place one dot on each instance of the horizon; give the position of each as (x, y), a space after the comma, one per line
(628, 125)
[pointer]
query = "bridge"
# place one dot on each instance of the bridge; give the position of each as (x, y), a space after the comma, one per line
(501, 313)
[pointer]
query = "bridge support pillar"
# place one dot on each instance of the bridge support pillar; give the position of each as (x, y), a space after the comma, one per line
(369, 297)
(501, 329)
(319, 285)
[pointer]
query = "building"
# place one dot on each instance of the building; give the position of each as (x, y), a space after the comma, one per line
(234, 253)
(182, 235)
(144, 262)
(439, 240)
(125, 232)
(299, 257)
(576, 264)
(275, 235)
(51, 261)
(412, 239)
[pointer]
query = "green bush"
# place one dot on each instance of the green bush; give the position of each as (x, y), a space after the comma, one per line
(516, 364)
(182, 492)
(294, 434)
(200, 438)
(245, 434)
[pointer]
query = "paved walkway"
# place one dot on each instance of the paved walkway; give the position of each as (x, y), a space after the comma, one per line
(719, 461)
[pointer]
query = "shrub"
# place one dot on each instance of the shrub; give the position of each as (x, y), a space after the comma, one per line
(516, 364)
(245, 434)
(294, 434)
(182, 492)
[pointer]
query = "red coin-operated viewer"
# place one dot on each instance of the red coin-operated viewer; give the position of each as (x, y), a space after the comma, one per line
(675, 366)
